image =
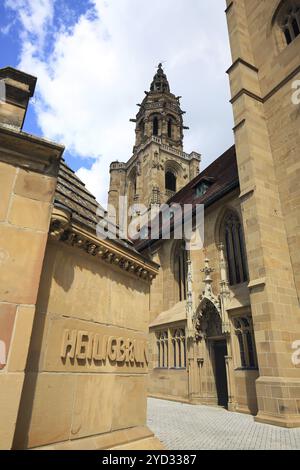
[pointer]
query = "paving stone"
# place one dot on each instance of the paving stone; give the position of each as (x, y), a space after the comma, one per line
(197, 427)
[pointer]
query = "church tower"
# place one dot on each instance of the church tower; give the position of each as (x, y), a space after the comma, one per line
(264, 79)
(158, 167)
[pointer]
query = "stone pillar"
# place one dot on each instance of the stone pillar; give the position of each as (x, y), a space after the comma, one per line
(192, 370)
(194, 167)
(274, 302)
(28, 172)
(116, 187)
(230, 377)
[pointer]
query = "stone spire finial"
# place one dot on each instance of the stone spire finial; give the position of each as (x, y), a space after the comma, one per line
(207, 281)
(224, 290)
(160, 82)
(207, 270)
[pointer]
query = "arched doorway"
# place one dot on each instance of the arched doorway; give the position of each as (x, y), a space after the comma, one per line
(220, 352)
(208, 325)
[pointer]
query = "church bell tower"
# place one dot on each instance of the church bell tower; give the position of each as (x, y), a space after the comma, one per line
(160, 114)
(158, 167)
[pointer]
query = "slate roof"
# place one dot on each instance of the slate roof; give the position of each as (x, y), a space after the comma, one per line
(175, 314)
(72, 193)
(222, 176)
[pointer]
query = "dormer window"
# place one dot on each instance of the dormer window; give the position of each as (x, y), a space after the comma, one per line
(202, 187)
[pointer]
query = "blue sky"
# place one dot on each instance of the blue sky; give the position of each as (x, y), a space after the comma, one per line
(94, 59)
(66, 14)
(10, 47)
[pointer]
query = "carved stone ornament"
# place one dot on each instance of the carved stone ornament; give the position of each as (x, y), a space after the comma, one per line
(60, 221)
(155, 162)
(61, 230)
(207, 319)
(224, 291)
(208, 292)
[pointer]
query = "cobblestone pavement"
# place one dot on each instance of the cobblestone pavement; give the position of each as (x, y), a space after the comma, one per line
(195, 427)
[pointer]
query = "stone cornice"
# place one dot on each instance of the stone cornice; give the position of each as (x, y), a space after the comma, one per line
(243, 92)
(187, 157)
(239, 125)
(241, 61)
(261, 282)
(13, 74)
(229, 7)
(271, 93)
(26, 151)
(63, 230)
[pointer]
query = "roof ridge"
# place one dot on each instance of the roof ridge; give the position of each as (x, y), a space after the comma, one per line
(197, 178)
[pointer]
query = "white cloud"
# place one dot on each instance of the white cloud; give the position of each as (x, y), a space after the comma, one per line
(97, 71)
(6, 29)
(35, 17)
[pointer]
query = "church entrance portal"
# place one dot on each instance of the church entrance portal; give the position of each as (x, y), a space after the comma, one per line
(220, 351)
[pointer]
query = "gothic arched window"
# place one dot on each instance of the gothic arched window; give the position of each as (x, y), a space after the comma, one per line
(132, 186)
(291, 24)
(246, 342)
(170, 181)
(170, 126)
(179, 349)
(288, 20)
(180, 269)
(162, 349)
(155, 125)
(235, 249)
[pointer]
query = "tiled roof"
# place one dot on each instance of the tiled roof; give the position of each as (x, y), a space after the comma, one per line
(221, 176)
(72, 193)
(175, 314)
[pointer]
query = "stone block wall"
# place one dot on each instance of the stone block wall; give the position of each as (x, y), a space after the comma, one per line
(94, 389)
(25, 208)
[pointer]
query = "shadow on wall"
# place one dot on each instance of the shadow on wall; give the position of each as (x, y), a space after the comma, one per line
(33, 359)
(60, 265)
(67, 264)
(251, 392)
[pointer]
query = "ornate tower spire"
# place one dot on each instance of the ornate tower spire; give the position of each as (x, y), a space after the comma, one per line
(160, 114)
(160, 82)
(158, 167)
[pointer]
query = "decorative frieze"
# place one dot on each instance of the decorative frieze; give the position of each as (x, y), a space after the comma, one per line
(62, 230)
(156, 140)
(211, 318)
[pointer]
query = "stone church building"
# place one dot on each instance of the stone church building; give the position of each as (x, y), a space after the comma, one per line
(158, 167)
(224, 320)
(89, 327)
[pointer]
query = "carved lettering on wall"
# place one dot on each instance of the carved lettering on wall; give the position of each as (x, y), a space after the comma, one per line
(87, 346)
